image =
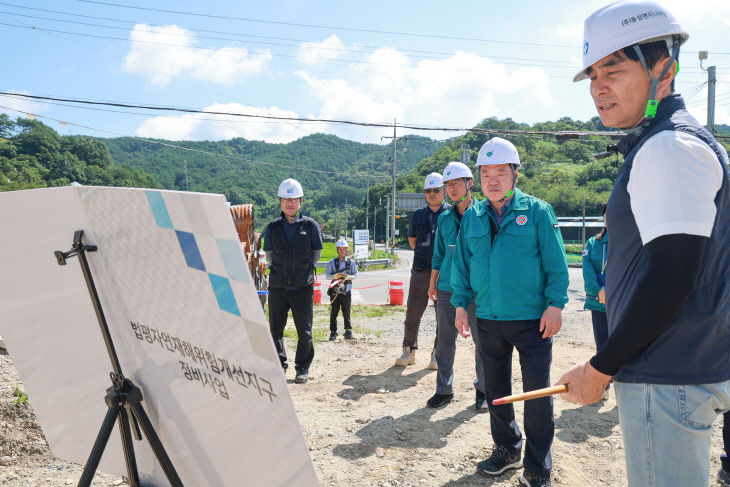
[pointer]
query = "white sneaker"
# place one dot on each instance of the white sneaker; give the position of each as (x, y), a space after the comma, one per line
(433, 365)
(407, 358)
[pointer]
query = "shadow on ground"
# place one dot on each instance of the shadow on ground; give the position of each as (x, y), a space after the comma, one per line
(392, 380)
(577, 425)
(410, 431)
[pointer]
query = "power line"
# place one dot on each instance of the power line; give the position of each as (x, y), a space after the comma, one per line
(330, 27)
(237, 36)
(321, 120)
(189, 149)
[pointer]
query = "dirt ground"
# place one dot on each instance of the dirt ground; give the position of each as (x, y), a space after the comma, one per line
(366, 422)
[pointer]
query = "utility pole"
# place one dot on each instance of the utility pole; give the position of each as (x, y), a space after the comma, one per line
(711, 81)
(392, 214)
(375, 222)
(367, 206)
(392, 248)
(387, 221)
(346, 219)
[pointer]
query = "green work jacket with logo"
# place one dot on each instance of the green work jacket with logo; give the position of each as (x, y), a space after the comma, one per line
(517, 272)
(594, 271)
(448, 230)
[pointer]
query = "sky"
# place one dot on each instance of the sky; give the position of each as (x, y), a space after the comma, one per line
(426, 63)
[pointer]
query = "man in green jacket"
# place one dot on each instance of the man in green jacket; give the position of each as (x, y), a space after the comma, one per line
(458, 181)
(510, 255)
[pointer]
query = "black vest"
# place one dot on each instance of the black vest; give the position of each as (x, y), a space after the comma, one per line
(695, 348)
(425, 236)
(291, 262)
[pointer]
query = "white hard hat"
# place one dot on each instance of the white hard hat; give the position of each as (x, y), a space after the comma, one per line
(433, 180)
(290, 188)
(623, 24)
(456, 170)
(341, 243)
(497, 151)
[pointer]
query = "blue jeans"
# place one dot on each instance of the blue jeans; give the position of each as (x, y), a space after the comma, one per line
(667, 430)
(446, 347)
(497, 340)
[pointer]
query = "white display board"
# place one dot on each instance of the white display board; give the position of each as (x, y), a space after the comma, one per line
(360, 237)
(361, 252)
(184, 317)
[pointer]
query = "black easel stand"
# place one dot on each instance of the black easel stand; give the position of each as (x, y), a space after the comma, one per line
(123, 398)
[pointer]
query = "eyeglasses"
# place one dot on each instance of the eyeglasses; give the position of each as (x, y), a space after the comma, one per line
(433, 190)
(455, 184)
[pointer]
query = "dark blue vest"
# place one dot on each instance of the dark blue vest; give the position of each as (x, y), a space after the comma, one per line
(291, 263)
(425, 232)
(695, 348)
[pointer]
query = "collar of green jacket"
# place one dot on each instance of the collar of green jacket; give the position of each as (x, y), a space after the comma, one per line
(519, 202)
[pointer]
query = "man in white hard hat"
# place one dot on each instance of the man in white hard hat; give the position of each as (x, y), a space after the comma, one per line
(667, 284)
(458, 181)
(421, 233)
(341, 271)
(293, 244)
(509, 258)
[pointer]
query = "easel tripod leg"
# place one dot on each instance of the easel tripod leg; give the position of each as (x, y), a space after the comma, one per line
(102, 438)
(156, 444)
(128, 448)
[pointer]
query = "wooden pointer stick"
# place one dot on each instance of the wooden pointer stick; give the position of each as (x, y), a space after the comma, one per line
(525, 396)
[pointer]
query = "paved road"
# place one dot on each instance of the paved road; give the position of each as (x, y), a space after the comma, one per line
(371, 287)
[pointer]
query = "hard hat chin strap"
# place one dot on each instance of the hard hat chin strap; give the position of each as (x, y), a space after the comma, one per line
(652, 104)
(468, 190)
(512, 190)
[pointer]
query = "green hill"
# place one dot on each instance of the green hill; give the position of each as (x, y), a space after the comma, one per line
(252, 170)
(33, 155)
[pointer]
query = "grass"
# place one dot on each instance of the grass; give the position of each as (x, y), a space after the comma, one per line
(321, 320)
(574, 258)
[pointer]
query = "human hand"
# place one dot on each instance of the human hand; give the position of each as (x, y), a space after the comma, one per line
(551, 321)
(433, 292)
(462, 322)
(585, 384)
(602, 296)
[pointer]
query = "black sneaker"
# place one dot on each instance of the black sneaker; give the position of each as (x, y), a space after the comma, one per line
(333, 336)
(480, 403)
(302, 376)
(535, 480)
(723, 478)
(502, 459)
(348, 335)
(439, 400)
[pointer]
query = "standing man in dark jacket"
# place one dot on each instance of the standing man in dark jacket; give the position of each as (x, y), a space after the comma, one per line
(667, 285)
(293, 244)
(421, 237)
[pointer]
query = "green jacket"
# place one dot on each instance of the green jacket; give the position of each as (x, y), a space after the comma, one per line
(448, 230)
(594, 271)
(521, 272)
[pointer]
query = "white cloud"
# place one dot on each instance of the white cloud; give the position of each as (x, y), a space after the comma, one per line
(312, 53)
(163, 53)
(221, 127)
(458, 91)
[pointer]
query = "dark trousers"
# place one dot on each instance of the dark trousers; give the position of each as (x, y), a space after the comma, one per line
(496, 341)
(340, 301)
(600, 328)
(416, 305)
(726, 441)
(300, 301)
